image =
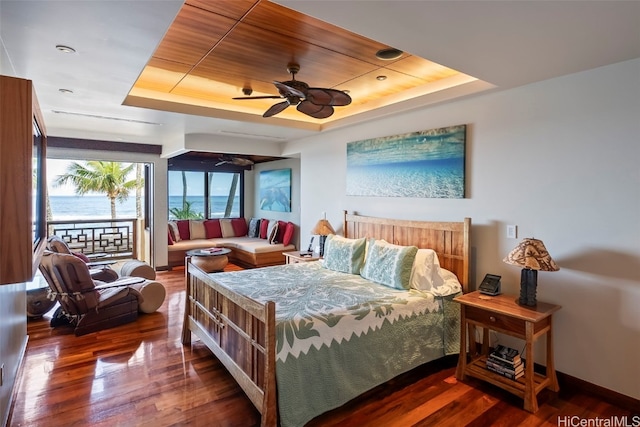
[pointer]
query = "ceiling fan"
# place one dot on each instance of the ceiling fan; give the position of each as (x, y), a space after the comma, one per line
(238, 161)
(313, 101)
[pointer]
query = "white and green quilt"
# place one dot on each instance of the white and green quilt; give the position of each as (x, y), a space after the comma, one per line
(339, 335)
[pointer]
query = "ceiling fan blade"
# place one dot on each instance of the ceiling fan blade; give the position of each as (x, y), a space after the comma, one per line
(276, 108)
(314, 110)
(258, 97)
(241, 161)
(288, 90)
(324, 96)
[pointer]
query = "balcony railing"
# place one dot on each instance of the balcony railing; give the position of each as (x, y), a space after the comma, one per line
(113, 238)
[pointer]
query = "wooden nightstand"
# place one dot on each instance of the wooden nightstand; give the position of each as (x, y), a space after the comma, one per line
(295, 257)
(501, 313)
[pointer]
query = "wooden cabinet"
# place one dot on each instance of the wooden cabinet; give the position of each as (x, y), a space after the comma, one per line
(501, 313)
(22, 181)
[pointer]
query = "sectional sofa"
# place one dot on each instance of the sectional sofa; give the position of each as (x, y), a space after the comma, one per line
(258, 242)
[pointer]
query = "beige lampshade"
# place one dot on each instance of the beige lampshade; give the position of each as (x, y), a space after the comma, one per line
(531, 254)
(323, 228)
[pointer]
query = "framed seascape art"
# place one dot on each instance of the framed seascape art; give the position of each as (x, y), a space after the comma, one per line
(275, 190)
(429, 163)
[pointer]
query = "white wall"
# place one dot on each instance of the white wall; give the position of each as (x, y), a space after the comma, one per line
(560, 159)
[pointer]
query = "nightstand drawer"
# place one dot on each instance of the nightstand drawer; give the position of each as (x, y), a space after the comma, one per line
(495, 320)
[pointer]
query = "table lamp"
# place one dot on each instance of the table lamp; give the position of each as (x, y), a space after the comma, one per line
(323, 229)
(532, 256)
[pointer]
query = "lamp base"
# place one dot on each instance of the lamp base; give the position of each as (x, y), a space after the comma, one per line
(528, 287)
(321, 245)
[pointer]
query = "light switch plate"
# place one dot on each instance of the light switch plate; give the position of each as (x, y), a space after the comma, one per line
(512, 231)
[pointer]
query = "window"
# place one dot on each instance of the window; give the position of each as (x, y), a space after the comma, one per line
(224, 195)
(203, 194)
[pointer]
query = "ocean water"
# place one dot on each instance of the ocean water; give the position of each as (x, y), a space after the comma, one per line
(429, 178)
(98, 207)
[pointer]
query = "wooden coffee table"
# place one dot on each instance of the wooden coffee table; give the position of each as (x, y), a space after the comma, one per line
(209, 260)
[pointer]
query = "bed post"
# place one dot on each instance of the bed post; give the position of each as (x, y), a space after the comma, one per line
(270, 403)
(186, 332)
(344, 223)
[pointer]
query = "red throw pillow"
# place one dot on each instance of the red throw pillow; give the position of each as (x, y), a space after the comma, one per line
(264, 225)
(170, 239)
(212, 228)
(288, 233)
(239, 226)
(81, 256)
(282, 226)
(183, 229)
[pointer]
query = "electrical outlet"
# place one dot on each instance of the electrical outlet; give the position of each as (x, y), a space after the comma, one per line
(512, 231)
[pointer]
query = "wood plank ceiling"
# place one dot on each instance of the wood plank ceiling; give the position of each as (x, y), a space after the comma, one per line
(214, 49)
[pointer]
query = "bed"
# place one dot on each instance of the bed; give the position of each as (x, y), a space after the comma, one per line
(283, 359)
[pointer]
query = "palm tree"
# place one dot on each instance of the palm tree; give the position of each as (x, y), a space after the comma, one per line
(101, 177)
(139, 186)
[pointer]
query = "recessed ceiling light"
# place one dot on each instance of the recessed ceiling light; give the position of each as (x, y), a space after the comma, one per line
(65, 91)
(65, 49)
(389, 54)
(381, 78)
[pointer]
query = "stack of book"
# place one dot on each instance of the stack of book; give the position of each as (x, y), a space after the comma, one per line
(506, 361)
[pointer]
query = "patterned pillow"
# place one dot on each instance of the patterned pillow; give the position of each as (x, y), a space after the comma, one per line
(272, 232)
(389, 264)
(254, 227)
(175, 232)
(342, 254)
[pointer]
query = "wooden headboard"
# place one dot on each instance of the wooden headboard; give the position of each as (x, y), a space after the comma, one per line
(450, 240)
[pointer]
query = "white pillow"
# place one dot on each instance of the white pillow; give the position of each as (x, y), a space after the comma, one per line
(425, 273)
(450, 286)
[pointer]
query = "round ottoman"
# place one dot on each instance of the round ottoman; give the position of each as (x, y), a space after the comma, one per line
(138, 269)
(38, 302)
(153, 294)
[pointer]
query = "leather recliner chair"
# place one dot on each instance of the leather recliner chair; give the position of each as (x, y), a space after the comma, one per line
(99, 270)
(89, 306)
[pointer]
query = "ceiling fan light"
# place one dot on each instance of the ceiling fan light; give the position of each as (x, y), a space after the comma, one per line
(389, 54)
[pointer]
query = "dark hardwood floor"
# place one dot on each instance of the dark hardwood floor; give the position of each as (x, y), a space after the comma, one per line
(140, 374)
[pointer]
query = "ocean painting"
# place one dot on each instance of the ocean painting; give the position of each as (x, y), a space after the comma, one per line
(275, 190)
(429, 164)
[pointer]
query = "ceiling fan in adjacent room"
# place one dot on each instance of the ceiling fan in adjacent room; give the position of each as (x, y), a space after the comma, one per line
(238, 161)
(316, 102)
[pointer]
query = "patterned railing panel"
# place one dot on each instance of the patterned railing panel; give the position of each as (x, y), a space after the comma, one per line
(113, 238)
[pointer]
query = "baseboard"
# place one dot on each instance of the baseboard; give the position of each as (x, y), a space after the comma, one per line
(572, 384)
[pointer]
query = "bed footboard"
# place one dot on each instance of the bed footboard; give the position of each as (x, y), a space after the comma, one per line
(239, 331)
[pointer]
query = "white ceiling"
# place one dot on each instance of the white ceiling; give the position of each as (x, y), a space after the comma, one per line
(505, 44)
